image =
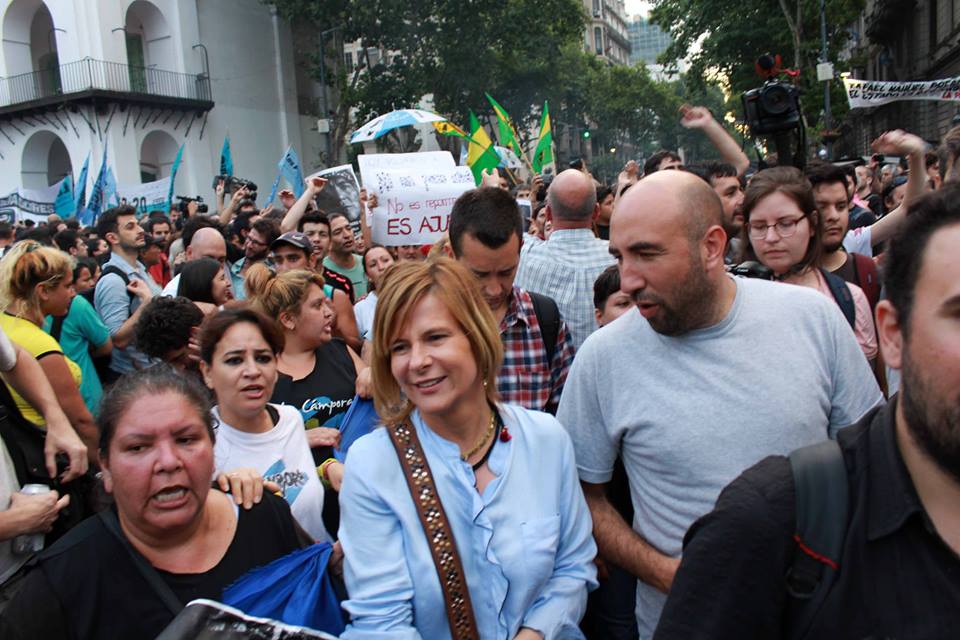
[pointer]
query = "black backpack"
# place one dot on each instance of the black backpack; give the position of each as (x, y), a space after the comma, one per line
(841, 293)
(548, 316)
(822, 507)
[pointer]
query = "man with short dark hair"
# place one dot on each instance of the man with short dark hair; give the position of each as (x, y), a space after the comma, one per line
(486, 230)
(605, 198)
(159, 228)
(565, 266)
(662, 160)
(124, 286)
(725, 181)
(316, 227)
(341, 258)
(69, 241)
(712, 373)
(256, 248)
(833, 204)
(896, 573)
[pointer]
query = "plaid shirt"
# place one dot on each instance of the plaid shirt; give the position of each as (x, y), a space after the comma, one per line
(564, 268)
(526, 378)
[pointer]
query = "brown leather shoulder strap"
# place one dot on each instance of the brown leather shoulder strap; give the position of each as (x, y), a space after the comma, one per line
(443, 547)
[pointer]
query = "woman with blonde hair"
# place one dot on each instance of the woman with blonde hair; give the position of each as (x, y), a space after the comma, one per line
(318, 373)
(36, 281)
(460, 504)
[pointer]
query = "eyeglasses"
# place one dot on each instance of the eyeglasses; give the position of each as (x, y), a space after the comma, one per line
(784, 228)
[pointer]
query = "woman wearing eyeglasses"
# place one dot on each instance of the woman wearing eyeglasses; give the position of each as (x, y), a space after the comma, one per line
(782, 231)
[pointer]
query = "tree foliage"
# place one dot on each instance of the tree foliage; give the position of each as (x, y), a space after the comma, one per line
(725, 37)
(454, 50)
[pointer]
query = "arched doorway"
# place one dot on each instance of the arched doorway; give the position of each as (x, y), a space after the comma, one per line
(157, 152)
(149, 45)
(45, 161)
(30, 51)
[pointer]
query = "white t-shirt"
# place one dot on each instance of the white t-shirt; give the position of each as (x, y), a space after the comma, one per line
(283, 456)
(364, 311)
(859, 241)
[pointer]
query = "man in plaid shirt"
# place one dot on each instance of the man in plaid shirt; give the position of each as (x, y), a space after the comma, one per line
(486, 230)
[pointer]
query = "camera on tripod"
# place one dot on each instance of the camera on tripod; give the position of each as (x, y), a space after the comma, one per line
(772, 108)
(773, 111)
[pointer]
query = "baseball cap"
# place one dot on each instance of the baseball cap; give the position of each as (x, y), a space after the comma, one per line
(295, 239)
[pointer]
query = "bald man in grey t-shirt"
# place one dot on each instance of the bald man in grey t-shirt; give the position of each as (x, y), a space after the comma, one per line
(706, 377)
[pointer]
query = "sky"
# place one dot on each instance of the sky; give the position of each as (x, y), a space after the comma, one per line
(637, 7)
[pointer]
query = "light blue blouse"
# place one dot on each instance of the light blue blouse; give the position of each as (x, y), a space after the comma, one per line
(526, 543)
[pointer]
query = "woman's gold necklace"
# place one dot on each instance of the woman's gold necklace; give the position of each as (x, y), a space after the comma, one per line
(483, 441)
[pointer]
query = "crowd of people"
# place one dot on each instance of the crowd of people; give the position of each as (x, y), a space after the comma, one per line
(705, 401)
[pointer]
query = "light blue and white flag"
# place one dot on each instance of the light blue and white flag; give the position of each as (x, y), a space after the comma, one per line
(64, 205)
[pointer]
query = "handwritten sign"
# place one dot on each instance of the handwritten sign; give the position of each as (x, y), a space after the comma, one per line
(414, 207)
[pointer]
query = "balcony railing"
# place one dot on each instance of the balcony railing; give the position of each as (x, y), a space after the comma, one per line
(89, 75)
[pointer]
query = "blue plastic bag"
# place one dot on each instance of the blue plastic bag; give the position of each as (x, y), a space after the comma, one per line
(294, 589)
(360, 419)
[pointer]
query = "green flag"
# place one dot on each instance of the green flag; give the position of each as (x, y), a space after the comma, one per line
(543, 154)
(480, 153)
(508, 136)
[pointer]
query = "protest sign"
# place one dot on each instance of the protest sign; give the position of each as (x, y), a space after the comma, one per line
(28, 204)
(151, 196)
(342, 193)
(413, 206)
(870, 93)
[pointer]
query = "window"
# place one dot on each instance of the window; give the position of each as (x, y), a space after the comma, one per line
(598, 40)
(348, 60)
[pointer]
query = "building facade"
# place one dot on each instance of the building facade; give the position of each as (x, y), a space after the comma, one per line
(903, 40)
(647, 41)
(141, 78)
(606, 31)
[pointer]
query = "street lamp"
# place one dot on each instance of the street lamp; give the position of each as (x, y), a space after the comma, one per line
(825, 74)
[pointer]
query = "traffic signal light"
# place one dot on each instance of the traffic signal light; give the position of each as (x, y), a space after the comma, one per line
(586, 134)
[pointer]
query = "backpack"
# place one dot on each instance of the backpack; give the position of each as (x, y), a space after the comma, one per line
(548, 317)
(841, 293)
(114, 269)
(822, 507)
(867, 277)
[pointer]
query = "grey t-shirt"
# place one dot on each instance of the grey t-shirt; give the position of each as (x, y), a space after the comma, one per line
(688, 414)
